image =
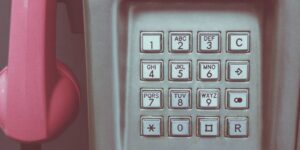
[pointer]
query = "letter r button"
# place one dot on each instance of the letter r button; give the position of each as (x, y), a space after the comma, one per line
(236, 127)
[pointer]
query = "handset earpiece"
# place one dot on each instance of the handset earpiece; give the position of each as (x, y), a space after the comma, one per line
(39, 96)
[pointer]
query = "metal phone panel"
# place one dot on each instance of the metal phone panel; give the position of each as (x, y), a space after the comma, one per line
(194, 18)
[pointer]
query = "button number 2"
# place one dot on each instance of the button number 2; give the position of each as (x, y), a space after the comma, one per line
(180, 45)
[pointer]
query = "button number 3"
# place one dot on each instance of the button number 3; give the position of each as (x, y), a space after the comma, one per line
(209, 45)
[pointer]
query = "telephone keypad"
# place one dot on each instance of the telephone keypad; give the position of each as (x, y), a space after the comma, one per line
(198, 89)
(180, 126)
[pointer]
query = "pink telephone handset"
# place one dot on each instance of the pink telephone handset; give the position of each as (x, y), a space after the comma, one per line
(39, 96)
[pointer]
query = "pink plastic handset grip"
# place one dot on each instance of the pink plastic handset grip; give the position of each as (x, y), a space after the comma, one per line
(39, 96)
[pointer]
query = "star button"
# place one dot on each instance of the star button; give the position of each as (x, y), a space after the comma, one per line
(151, 128)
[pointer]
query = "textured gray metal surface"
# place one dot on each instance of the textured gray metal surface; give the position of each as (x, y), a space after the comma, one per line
(102, 74)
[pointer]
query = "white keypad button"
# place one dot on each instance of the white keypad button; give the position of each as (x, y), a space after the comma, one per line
(180, 70)
(151, 42)
(238, 70)
(209, 70)
(237, 98)
(208, 98)
(180, 98)
(151, 98)
(238, 41)
(237, 126)
(151, 70)
(180, 126)
(151, 126)
(180, 42)
(209, 42)
(208, 126)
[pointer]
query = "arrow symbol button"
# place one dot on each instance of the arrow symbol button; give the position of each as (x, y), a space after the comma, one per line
(239, 71)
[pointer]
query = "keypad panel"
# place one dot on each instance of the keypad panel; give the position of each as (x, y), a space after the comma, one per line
(183, 69)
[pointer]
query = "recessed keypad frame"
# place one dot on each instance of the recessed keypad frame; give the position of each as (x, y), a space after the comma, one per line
(176, 22)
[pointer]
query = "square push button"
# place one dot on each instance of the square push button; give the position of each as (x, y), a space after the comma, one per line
(208, 98)
(238, 42)
(151, 42)
(209, 70)
(151, 126)
(236, 126)
(151, 70)
(151, 98)
(180, 42)
(238, 70)
(180, 98)
(180, 70)
(180, 126)
(209, 42)
(237, 98)
(208, 126)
